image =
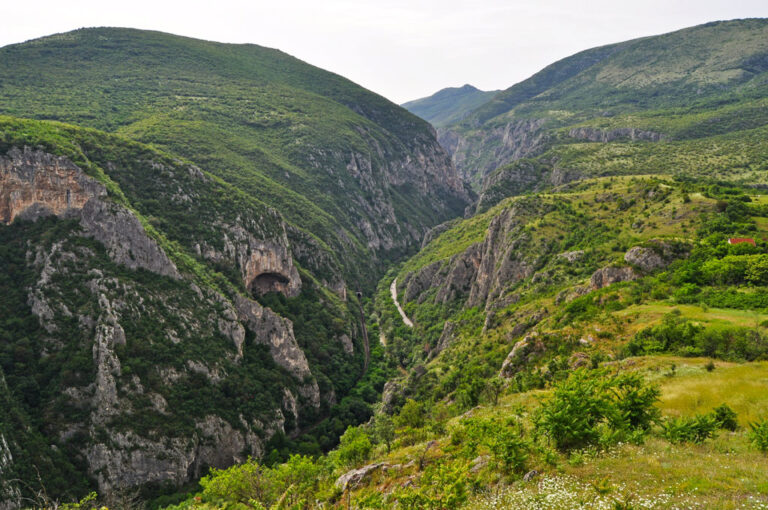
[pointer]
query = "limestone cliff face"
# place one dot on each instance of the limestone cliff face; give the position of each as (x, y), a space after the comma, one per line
(480, 274)
(478, 152)
(106, 308)
(602, 135)
(265, 265)
(281, 342)
(419, 169)
(34, 183)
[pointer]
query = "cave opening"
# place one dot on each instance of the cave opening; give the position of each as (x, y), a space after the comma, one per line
(269, 282)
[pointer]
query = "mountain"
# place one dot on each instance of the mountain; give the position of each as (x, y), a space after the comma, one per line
(593, 332)
(716, 73)
(191, 230)
(449, 105)
(353, 169)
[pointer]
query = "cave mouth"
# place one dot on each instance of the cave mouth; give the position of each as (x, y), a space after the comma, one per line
(269, 282)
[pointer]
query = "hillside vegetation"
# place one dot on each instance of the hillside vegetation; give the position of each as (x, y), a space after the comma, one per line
(449, 105)
(336, 160)
(693, 83)
(592, 332)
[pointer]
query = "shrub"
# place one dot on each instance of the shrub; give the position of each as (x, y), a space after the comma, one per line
(509, 449)
(759, 434)
(441, 487)
(571, 417)
(354, 447)
(587, 400)
(725, 417)
(694, 429)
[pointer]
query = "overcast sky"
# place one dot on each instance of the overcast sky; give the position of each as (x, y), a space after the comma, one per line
(402, 49)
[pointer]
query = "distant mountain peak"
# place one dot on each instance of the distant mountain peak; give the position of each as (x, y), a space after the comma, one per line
(449, 105)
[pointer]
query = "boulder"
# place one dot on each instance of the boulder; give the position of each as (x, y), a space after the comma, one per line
(609, 275)
(352, 478)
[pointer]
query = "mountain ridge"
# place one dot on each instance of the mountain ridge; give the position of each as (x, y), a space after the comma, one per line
(448, 105)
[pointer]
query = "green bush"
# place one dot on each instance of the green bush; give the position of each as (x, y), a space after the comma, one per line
(758, 434)
(354, 447)
(509, 449)
(589, 401)
(695, 429)
(725, 417)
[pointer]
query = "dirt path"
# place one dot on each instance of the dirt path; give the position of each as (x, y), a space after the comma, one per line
(393, 291)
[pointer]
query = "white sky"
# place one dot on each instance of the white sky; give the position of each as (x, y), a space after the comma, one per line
(402, 49)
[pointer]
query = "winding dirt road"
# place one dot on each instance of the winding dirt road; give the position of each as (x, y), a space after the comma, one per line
(393, 291)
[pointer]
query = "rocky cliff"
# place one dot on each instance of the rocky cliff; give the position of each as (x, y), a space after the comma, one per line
(145, 343)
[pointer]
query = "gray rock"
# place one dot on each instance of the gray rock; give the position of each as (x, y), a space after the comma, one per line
(520, 353)
(572, 256)
(352, 478)
(530, 475)
(644, 259)
(277, 333)
(610, 275)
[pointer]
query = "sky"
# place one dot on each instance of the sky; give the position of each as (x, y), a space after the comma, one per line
(401, 49)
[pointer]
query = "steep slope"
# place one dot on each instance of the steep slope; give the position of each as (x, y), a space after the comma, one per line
(132, 346)
(337, 161)
(449, 105)
(695, 71)
(601, 345)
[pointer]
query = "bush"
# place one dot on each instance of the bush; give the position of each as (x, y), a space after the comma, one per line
(589, 400)
(759, 434)
(694, 429)
(441, 487)
(354, 447)
(509, 449)
(725, 417)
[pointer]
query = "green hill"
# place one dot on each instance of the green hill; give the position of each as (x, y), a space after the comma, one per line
(335, 159)
(707, 76)
(449, 105)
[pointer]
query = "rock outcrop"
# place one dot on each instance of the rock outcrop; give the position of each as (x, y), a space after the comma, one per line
(34, 183)
(351, 478)
(609, 275)
(482, 272)
(477, 153)
(521, 354)
(277, 333)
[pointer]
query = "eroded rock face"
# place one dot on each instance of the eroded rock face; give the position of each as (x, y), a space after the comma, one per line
(350, 479)
(277, 333)
(500, 264)
(481, 273)
(478, 153)
(644, 258)
(269, 268)
(10, 495)
(609, 275)
(34, 184)
(520, 354)
(658, 255)
(125, 239)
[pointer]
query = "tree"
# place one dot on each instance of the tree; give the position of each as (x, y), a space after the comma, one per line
(354, 447)
(384, 430)
(411, 415)
(494, 388)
